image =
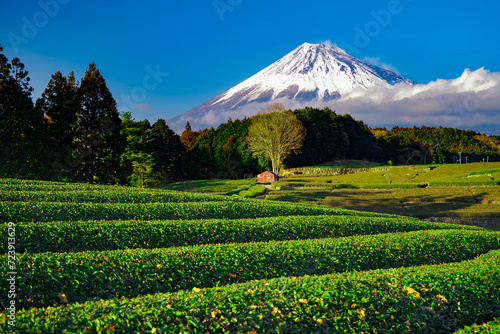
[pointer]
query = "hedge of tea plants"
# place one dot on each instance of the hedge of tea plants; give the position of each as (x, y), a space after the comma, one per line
(491, 327)
(111, 274)
(426, 299)
(64, 211)
(99, 259)
(78, 236)
(108, 196)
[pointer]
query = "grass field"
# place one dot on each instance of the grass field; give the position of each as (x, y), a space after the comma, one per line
(453, 174)
(105, 259)
(467, 190)
(428, 202)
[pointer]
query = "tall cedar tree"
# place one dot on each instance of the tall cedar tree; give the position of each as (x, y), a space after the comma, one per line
(167, 149)
(138, 151)
(23, 141)
(60, 106)
(355, 139)
(100, 144)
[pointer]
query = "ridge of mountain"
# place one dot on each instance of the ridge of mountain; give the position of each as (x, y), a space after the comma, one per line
(309, 74)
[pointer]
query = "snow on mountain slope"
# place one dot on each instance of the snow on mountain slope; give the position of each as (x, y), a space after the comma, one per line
(310, 73)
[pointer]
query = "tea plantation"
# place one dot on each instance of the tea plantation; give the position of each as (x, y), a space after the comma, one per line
(108, 259)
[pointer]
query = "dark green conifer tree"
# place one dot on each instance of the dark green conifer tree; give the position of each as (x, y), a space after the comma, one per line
(100, 143)
(23, 139)
(138, 151)
(167, 148)
(60, 106)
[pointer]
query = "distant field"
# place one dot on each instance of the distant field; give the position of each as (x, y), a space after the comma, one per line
(428, 202)
(105, 259)
(437, 195)
(458, 174)
(466, 190)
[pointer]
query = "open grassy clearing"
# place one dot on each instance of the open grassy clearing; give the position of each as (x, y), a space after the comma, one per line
(486, 194)
(427, 202)
(418, 191)
(394, 175)
(437, 195)
(123, 260)
(460, 173)
(402, 175)
(373, 200)
(387, 176)
(466, 190)
(454, 210)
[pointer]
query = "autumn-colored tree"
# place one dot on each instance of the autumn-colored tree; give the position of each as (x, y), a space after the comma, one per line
(275, 134)
(188, 138)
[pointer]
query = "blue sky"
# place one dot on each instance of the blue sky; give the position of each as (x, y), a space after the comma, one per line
(208, 46)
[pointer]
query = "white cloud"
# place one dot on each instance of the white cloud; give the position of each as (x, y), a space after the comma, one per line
(327, 43)
(377, 62)
(471, 101)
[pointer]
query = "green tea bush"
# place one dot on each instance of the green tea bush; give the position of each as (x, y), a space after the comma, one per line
(55, 211)
(109, 274)
(77, 236)
(108, 196)
(491, 327)
(252, 192)
(428, 299)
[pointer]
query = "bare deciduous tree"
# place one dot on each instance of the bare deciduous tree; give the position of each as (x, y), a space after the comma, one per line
(275, 133)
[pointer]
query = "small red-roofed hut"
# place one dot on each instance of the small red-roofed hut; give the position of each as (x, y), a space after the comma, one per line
(267, 177)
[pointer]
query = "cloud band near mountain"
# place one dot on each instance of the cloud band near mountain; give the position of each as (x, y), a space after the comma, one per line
(471, 101)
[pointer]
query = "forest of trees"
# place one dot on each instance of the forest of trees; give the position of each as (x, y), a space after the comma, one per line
(74, 132)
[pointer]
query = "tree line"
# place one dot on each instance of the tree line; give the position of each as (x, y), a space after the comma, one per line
(74, 132)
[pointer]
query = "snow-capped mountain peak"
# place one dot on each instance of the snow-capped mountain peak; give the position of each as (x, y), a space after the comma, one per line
(311, 72)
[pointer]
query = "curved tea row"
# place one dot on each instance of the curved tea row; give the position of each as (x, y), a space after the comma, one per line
(116, 259)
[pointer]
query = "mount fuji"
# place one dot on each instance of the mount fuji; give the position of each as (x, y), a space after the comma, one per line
(311, 74)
